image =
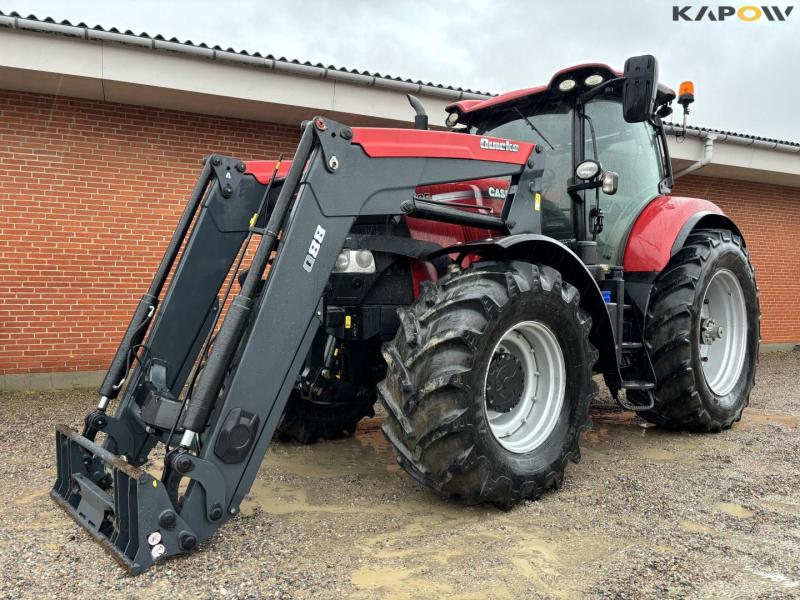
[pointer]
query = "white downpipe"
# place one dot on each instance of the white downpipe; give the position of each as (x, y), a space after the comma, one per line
(708, 153)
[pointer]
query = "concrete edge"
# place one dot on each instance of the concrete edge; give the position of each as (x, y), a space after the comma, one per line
(782, 347)
(50, 381)
(82, 379)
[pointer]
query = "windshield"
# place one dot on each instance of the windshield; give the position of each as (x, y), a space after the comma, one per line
(630, 149)
(549, 125)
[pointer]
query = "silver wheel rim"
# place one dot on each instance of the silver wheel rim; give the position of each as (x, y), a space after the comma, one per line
(723, 333)
(528, 424)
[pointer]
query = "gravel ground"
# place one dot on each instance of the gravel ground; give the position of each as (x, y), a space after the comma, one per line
(647, 513)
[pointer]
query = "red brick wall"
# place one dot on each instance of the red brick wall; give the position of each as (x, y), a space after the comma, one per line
(769, 217)
(90, 193)
(89, 196)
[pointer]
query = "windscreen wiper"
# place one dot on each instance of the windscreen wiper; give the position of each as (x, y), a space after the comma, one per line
(532, 126)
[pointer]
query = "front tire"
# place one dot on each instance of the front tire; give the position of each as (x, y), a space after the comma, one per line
(335, 410)
(489, 382)
(702, 333)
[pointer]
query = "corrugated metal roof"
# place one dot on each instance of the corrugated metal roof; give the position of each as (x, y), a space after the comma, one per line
(159, 42)
(722, 133)
(742, 139)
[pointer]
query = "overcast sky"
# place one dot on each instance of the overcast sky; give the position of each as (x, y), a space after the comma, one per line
(746, 74)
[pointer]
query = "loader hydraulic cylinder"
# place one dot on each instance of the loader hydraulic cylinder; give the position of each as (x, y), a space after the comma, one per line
(202, 401)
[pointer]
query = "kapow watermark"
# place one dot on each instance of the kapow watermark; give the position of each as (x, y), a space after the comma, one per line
(746, 13)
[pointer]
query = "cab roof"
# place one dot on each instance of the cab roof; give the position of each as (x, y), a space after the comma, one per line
(468, 109)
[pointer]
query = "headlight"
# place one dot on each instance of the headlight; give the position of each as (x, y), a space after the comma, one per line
(588, 169)
(593, 80)
(566, 85)
(365, 260)
(452, 119)
(355, 261)
(342, 262)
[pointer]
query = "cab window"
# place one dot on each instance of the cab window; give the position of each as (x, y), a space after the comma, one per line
(632, 150)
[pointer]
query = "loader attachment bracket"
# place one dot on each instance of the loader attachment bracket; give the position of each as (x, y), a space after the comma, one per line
(134, 519)
(179, 465)
(228, 171)
(119, 436)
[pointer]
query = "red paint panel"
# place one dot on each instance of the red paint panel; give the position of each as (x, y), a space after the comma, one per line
(468, 106)
(380, 142)
(421, 271)
(649, 246)
(474, 192)
(262, 170)
(463, 106)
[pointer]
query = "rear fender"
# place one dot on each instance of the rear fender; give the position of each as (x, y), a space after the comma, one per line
(541, 249)
(661, 229)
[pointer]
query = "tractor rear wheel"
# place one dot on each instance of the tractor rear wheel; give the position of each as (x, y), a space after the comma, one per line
(702, 332)
(489, 382)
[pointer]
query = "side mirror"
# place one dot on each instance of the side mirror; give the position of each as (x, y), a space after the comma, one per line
(640, 87)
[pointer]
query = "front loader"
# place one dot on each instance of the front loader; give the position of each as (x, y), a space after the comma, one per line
(460, 276)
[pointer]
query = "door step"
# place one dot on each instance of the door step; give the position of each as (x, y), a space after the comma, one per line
(639, 386)
(631, 345)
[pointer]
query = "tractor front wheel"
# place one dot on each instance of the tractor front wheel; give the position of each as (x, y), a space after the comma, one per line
(702, 332)
(334, 408)
(489, 382)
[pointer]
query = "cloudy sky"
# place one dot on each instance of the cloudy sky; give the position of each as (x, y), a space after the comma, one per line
(745, 74)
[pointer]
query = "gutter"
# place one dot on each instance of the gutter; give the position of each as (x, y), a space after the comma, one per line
(241, 58)
(730, 138)
(708, 154)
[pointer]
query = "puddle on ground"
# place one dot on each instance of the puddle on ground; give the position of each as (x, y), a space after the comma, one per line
(367, 451)
(781, 506)
(693, 527)
(624, 434)
(735, 510)
(398, 583)
(753, 417)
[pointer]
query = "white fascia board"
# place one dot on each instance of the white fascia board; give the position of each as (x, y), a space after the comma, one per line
(130, 74)
(51, 54)
(736, 161)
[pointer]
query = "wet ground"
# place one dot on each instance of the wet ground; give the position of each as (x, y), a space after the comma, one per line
(647, 513)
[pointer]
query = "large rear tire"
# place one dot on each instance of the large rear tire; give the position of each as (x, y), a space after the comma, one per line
(702, 332)
(489, 382)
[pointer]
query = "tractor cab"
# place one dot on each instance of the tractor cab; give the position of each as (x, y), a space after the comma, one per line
(578, 117)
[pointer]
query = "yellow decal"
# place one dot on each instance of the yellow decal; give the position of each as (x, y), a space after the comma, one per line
(155, 483)
(348, 322)
(537, 206)
(253, 219)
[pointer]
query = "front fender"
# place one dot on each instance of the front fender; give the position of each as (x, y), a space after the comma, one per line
(662, 227)
(537, 248)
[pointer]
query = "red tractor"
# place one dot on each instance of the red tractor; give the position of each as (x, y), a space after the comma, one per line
(474, 280)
